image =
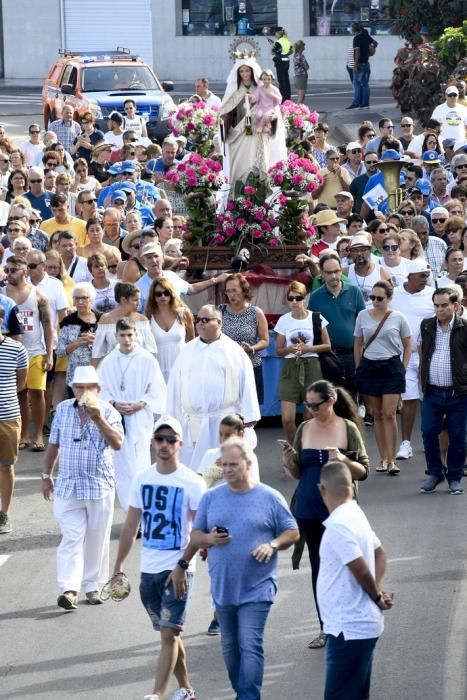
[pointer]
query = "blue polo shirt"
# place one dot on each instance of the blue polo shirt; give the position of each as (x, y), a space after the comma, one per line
(41, 203)
(340, 312)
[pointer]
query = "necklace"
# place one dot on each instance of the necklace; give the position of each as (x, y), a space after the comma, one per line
(124, 371)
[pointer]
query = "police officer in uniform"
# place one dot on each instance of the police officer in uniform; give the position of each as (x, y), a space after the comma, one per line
(281, 50)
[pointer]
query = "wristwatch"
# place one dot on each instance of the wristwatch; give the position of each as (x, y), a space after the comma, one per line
(183, 564)
(274, 545)
(46, 476)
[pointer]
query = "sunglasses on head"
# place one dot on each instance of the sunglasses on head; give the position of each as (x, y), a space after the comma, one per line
(164, 293)
(438, 221)
(375, 297)
(171, 439)
(314, 405)
(295, 298)
(391, 248)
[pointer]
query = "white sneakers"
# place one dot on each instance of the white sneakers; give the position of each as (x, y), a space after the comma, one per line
(405, 450)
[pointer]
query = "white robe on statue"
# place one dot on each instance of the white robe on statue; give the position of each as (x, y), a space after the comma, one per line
(209, 381)
(129, 379)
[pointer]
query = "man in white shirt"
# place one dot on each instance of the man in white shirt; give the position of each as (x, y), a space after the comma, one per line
(350, 599)
(76, 266)
(413, 299)
(452, 115)
(34, 147)
(204, 93)
(114, 135)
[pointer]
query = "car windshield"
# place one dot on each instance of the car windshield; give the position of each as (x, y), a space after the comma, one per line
(107, 78)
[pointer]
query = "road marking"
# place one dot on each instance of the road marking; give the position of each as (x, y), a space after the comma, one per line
(454, 658)
(391, 561)
(28, 478)
(4, 558)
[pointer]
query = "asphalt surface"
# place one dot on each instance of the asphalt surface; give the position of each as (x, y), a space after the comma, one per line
(109, 652)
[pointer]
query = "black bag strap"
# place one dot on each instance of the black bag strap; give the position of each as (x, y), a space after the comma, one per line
(378, 328)
(317, 335)
(73, 267)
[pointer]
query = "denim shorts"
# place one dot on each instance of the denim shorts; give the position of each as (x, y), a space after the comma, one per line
(380, 377)
(164, 609)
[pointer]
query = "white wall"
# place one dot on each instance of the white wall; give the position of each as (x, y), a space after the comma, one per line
(31, 31)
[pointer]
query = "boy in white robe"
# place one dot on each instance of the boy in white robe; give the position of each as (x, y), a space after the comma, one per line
(211, 377)
(133, 383)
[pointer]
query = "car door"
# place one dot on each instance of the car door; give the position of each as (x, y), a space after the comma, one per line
(69, 77)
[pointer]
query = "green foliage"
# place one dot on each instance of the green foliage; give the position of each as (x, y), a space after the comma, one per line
(451, 47)
(435, 15)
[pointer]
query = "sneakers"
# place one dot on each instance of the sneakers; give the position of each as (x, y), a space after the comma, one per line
(5, 524)
(94, 598)
(151, 697)
(368, 420)
(214, 628)
(68, 600)
(184, 694)
(455, 488)
(405, 450)
(431, 483)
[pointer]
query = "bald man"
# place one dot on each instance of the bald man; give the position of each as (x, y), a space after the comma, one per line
(350, 599)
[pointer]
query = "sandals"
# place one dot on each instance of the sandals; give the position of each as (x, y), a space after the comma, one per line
(393, 469)
(23, 444)
(319, 642)
(38, 447)
(382, 467)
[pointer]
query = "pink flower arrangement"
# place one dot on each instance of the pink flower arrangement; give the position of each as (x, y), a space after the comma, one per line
(296, 174)
(298, 116)
(246, 221)
(196, 122)
(196, 174)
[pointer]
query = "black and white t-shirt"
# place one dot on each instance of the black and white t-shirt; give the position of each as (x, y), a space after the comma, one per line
(13, 356)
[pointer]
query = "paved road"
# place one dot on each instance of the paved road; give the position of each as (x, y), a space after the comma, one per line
(108, 652)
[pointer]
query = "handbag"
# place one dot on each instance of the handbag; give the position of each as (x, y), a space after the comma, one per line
(332, 368)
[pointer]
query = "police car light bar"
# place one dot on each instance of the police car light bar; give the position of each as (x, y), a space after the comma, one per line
(120, 53)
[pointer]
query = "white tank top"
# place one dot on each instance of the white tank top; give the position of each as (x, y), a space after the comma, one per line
(135, 124)
(365, 284)
(33, 334)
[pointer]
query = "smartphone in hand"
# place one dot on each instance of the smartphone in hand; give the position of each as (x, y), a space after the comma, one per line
(284, 444)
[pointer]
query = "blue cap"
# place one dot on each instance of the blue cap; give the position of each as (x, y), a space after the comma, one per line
(115, 169)
(431, 157)
(118, 194)
(391, 154)
(422, 186)
(151, 165)
(127, 166)
(127, 186)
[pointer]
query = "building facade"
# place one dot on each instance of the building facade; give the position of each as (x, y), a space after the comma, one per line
(183, 39)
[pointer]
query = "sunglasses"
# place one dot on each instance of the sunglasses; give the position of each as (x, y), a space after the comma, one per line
(371, 162)
(35, 182)
(136, 246)
(389, 126)
(113, 267)
(165, 293)
(88, 201)
(438, 221)
(390, 248)
(35, 131)
(14, 230)
(407, 212)
(314, 405)
(32, 266)
(171, 439)
(131, 140)
(356, 150)
(11, 270)
(461, 166)
(297, 298)
(375, 297)
(204, 320)
(406, 124)
(382, 230)
(2, 160)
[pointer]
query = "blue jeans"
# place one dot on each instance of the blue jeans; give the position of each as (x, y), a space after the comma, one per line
(242, 628)
(348, 668)
(361, 89)
(436, 405)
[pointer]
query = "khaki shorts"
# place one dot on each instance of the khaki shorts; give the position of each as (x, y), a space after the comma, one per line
(37, 376)
(296, 377)
(10, 431)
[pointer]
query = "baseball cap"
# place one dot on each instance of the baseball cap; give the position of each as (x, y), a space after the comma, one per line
(352, 145)
(127, 186)
(360, 239)
(168, 422)
(118, 194)
(422, 186)
(115, 169)
(152, 248)
(451, 90)
(391, 154)
(417, 265)
(343, 194)
(448, 143)
(127, 167)
(430, 157)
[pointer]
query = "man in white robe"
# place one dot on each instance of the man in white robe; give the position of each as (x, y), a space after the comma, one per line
(211, 377)
(133, 383)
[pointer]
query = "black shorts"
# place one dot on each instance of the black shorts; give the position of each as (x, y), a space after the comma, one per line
(379, 377)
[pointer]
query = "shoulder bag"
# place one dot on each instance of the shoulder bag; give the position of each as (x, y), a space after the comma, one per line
(332, 368)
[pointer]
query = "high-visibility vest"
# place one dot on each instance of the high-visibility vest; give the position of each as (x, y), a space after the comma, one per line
(286, 45)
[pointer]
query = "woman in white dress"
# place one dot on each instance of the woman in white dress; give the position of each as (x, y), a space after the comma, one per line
(171, 322)
(127, 297)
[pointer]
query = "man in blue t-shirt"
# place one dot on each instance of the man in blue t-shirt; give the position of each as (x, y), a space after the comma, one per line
(37, 195)
(244, 524)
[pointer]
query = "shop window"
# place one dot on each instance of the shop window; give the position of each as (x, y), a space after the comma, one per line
(335, 17)
(228, 17)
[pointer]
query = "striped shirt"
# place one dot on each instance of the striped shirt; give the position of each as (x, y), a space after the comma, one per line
(440, 373)
(434, 253)
(13, 356)
(86, 469)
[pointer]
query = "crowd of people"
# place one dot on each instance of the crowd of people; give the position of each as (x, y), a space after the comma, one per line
(101, 354)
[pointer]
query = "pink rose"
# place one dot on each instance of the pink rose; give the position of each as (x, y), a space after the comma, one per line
(258, 215)
(247, 204)
(230, 205)
(282, 199)
(240, 222)
(203, 169)
(190, 126)
(313, 117)
(278, 179)
(230, 231)
(265, 226)
(191, 181)
(298, 122)
(195, 158)
(181, 168)
(211, 178)
(273, 243)
(297, 179)
(250, 190)
(209, 120)
(256, 233)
